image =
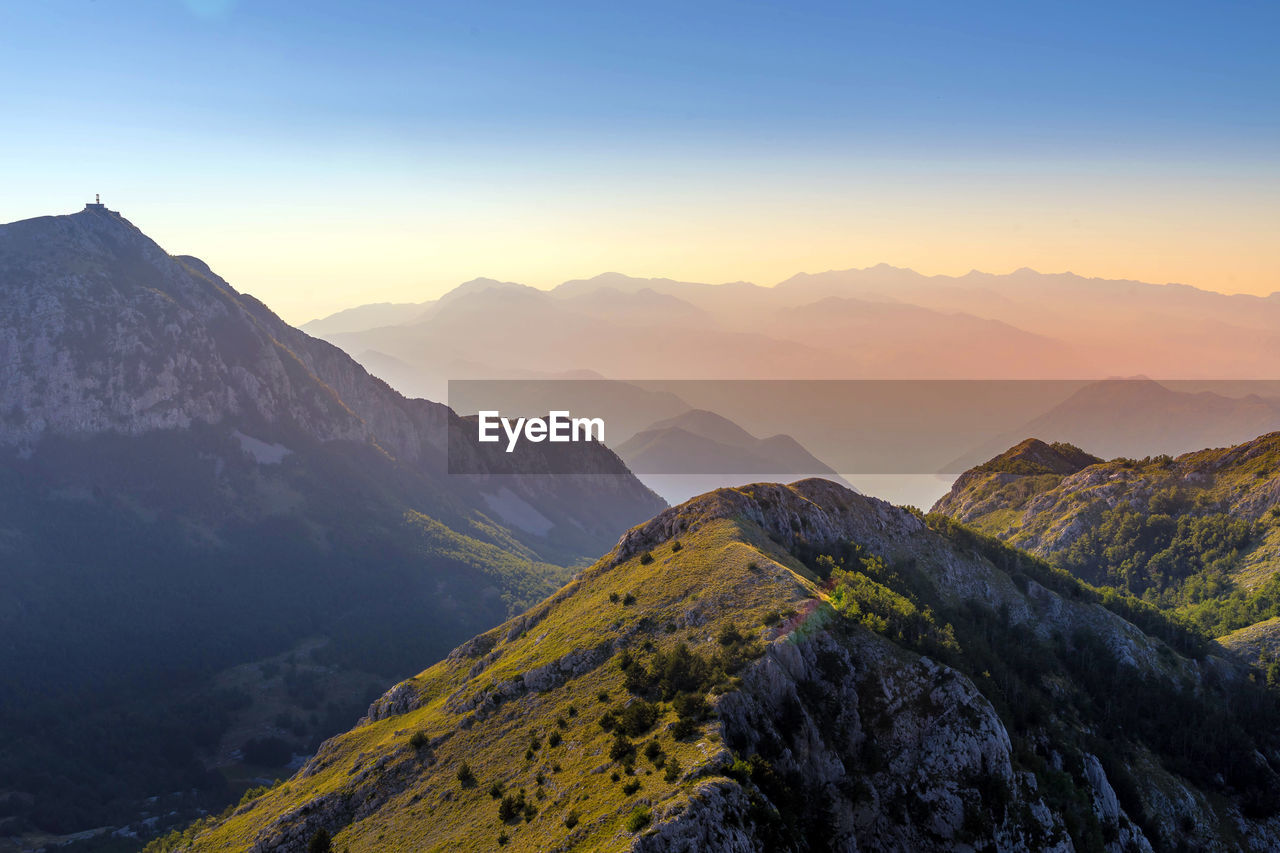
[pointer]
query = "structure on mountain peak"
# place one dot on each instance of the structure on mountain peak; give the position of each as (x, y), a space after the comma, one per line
(97, 204)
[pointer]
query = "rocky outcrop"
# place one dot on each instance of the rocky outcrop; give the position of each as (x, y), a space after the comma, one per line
(711, 820)
(889, 753)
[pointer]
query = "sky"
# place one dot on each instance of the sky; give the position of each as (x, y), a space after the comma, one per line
(328, 154)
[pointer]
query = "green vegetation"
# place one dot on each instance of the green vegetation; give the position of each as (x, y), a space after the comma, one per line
(1234, 609)
(1178, 562)
(180, 839)
(534, 757)
(1108, 708)
(515, 807)
(680, 672)
(1024, 568)
(633, 719)
(862, 593)
(1187, 536)
(1169, 557)
(638, 819)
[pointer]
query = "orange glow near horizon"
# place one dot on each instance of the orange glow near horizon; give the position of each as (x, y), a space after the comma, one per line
(311, 263)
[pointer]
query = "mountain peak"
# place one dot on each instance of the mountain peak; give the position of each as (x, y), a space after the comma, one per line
(709, 425)
(1033, 456)
(144, 340)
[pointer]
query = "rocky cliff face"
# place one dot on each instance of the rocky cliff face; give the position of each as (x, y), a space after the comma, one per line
(101, 331)
(790, 668)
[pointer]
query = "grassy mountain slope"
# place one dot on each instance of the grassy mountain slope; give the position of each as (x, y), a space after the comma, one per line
(796, 668)
(1199, 533)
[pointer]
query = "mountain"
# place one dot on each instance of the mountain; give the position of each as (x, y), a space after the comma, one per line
(189, 485)
(643, 333)
(697, 451)
(362, 317)
(380, 314)
(880, 322)
(797, 668)
(893, 340)
(1127, 327)
(1198, 534)
(1131, 417)
(616, 334)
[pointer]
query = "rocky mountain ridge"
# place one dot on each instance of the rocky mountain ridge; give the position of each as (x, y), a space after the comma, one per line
(1041, 497)
(790, 668)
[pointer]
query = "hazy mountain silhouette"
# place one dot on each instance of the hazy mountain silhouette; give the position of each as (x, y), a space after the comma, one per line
(697, 451)
(880, 322)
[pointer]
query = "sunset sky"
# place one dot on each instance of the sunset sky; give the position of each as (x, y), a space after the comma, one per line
(327, 154)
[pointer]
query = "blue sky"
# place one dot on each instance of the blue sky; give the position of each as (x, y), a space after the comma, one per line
(325, 154)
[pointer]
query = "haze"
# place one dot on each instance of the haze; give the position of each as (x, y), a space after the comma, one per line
(387, 151)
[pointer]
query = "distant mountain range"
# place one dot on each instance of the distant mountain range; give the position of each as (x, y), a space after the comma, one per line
(880, 322)
(1216, 357)
(189, 485)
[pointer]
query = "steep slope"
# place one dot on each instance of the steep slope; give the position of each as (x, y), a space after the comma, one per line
(188, 484)
(1198, 532)
(1259, 644)
(796, 668)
